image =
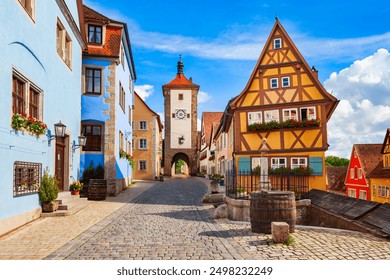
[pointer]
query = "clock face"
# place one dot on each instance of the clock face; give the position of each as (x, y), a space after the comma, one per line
(181, 114)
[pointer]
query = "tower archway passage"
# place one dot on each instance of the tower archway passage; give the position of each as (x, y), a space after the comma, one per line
(180, 164)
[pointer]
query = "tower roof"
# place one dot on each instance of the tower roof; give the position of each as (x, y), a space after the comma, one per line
(180, 80)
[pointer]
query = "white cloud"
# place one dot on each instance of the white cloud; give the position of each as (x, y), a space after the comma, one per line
(144, 91)
(237, 43)
(363, 114)
(203, 97)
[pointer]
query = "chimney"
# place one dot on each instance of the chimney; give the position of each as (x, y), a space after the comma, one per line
(315, 72)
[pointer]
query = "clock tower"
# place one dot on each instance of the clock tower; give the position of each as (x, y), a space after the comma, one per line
(180, 107)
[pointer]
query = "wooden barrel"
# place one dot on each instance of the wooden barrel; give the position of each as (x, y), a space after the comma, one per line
(97, 189)
(273, 206)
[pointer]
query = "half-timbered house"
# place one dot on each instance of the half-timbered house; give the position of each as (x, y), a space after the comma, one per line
(285, 103)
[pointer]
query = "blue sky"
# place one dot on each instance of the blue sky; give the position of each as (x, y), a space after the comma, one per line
(220, 42)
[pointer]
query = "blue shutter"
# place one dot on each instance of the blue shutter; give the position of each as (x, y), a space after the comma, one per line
(244, 165)
(315, 163)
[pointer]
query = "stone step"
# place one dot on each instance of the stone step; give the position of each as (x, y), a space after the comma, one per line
(68, 205)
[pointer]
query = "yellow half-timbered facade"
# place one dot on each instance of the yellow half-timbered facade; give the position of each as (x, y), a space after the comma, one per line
(285, 103)
(380, 179)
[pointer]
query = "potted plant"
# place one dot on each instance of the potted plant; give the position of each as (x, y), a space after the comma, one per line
(75, 187)
(241, 192)
(48, 192)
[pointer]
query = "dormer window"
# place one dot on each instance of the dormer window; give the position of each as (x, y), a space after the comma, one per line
(277, 43)
(95, 34)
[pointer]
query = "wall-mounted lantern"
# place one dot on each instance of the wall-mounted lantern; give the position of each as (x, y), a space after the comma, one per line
(59, 130)
(82, 142)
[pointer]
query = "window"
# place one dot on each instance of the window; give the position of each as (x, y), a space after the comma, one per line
(130, 113)
(132, 143)
(363, 195)
(274, 82)
(143, 144)
(278, 162)
(17, 96)
(93, 80)
(128, 147)
(34, 103)
(352, 193)
(285, 81)
(27, 177)
(254, 117)
(29, 6)
(373, 190)
(26, 97)
(290, 114)
(360, 173)
(270, 116)
(356, 173)
(121, 141)
(123, 57)
(277, 43)
(64, 44)
(143, 125)
(308, 113)
(94, 137)
(351, 173)
(95, 34)
(122, 97)
(142, 165)
(180, 96)
(298, 162)
(255, 162)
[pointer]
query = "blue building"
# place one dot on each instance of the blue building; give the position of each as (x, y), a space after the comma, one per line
(108, 77)
(41, 47)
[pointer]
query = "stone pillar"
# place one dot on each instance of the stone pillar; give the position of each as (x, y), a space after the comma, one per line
(264, 183)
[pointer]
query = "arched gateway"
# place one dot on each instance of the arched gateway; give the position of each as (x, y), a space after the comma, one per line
(180, 106)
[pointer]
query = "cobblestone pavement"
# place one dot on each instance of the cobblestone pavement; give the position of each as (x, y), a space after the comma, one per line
(168, 221)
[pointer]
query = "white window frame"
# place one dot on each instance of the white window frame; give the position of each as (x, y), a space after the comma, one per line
(144, 161)
(387, 191)
(301, 162)
(287, 80)
(360, 173)
(140, 126)
(352, 193)
(141, 146)
(255, 117)
(28, 84)
(363, 194)
(255, 161)
(278, 43)
(64, 44)
(352, 173)
(273, 81)
(290, 116)
(276, 162)
(271, 115)
(311, 113)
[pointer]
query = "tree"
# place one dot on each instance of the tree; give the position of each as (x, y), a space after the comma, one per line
(336, 161)
(178, 165)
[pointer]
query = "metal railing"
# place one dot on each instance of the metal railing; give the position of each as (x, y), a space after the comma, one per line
(240, 185)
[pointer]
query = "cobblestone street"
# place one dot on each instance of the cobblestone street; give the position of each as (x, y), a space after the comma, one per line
(167, 221)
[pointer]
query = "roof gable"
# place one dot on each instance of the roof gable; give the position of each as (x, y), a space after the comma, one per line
(386, 143)
(268, 64)
(139, 101)
(208, 118)
(369, 157)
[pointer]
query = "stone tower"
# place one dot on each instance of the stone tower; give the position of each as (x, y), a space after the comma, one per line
(180, 107)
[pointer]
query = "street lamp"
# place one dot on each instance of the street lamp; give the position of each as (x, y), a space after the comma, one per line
(82, 141)
(59, 130)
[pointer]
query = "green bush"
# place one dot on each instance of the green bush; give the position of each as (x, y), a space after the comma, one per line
(49, 188)
(92, 173)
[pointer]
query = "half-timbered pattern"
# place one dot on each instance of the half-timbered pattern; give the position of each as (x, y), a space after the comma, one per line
(285, 103)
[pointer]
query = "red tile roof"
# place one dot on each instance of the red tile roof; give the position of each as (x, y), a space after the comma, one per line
(369, 156)
(113, 35)
(181, 80)
(208, 118)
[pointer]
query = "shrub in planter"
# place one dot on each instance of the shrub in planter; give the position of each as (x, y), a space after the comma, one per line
(48, 192)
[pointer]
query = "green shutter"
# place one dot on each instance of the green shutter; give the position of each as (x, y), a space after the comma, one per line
(244, 165)
(315, 163)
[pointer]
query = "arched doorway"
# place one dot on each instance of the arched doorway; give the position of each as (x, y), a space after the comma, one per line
(180, 164)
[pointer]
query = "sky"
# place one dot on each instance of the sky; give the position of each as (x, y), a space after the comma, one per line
(220, 41)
